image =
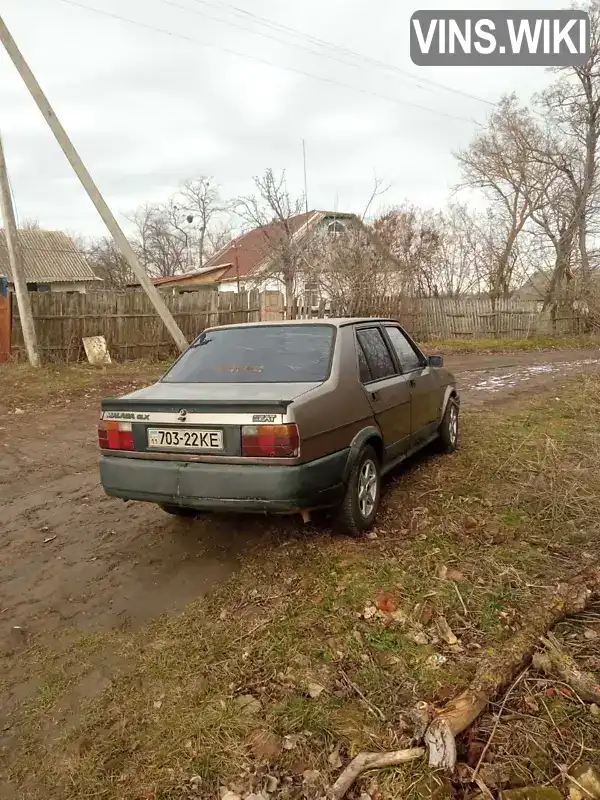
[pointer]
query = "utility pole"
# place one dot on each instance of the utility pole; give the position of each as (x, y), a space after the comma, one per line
(15, 257)
(90, 187)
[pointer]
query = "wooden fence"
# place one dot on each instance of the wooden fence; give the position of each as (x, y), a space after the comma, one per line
(449, 318)
(129, 322)
(133, 330)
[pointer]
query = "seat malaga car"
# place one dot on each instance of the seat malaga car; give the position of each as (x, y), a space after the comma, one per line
(280, 417)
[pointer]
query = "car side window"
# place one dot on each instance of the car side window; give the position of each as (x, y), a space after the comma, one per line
(363, 366)
(377, 356)
(409, 360)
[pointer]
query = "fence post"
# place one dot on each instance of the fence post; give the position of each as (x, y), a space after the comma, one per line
(5, 321)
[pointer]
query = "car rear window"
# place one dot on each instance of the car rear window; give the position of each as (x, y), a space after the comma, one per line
(269, 354)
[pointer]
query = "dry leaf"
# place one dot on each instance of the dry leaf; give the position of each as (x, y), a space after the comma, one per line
(531, 704)
(425, 614)
(265, 745)
(445, 631)
(311, 775)
(399, 617)
(334, 758)
(315, 690)
(418, 637)
(369, 612)
(386, 602)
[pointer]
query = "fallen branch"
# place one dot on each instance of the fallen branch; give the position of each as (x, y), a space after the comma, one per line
(500, 668)
(494, 674)
(555, 662)
(366, 761)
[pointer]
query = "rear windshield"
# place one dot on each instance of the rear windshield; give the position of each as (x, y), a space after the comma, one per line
(270, 354)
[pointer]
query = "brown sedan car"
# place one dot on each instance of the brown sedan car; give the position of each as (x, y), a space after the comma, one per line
(280, 418)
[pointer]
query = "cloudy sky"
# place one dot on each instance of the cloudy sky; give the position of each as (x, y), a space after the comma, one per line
(222, 89)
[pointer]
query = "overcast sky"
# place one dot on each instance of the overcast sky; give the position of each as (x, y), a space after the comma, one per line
(146, 109)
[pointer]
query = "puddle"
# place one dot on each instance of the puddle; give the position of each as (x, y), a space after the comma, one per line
(516, 377)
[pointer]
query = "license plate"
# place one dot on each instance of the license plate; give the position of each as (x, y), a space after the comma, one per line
(185, 439)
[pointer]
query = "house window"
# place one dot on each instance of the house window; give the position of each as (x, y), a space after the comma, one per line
(312, 296)
(38, 287)
(336, 227)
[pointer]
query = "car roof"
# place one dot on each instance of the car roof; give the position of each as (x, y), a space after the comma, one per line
(336, 322)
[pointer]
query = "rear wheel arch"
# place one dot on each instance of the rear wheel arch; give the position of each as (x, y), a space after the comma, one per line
(370, 436)
(376, 442)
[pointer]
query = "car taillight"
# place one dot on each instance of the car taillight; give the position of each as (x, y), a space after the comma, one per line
(115, 436)
(270, 441)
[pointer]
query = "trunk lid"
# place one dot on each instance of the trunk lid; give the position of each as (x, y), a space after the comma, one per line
(201, 419)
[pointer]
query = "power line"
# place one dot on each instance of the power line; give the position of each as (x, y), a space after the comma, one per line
(260, 60)
(270, 36)
(419, 80)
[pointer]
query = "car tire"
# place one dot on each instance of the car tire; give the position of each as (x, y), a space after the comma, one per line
(358, 510)
(449, 428)
(179, 511)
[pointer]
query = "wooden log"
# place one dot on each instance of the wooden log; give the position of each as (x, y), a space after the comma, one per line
(500, 668)
(493, 676)
(554, 661)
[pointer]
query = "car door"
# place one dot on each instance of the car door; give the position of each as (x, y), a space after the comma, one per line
(422, 383)
(387, 390)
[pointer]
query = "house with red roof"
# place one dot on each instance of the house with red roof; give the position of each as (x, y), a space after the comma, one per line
(249, 261)
(252, 260)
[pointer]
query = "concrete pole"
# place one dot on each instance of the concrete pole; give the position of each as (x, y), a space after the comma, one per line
(15, 257)
(90, 187)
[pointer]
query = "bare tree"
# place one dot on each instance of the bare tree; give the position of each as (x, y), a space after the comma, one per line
(200, 202)
(353, 269)
(459, 253)
(30, 224)
(107, 262)
(572, 104)
(218, 236)
(413, 237)
(498, 162)
(278, 216)
(379, 188)
(162, 245)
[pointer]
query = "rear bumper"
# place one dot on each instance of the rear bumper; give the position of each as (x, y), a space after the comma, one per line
(227, 487)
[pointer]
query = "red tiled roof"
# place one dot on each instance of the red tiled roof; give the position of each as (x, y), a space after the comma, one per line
(170, 279)
(175, 278)
(249, 250)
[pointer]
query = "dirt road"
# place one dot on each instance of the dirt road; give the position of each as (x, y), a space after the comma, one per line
(73, 561)
(73, 558)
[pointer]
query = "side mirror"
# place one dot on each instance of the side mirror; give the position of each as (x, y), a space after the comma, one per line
(436, 361)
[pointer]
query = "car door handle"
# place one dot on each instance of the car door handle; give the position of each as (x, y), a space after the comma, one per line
(412, 383)
(375, 396)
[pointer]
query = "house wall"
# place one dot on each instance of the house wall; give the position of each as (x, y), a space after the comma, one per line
(270, 285)
(69, 287)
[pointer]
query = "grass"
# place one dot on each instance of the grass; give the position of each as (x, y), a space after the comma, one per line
(22, 386)
(486, 346)
(478, 538)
